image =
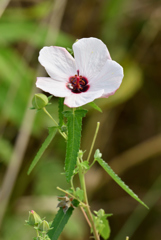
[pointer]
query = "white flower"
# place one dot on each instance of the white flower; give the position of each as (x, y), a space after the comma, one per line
(89, 75)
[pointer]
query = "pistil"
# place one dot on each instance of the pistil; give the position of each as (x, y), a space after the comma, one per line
(78, 84)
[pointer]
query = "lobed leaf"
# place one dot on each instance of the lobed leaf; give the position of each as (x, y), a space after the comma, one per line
(74, 125)
(52, 132)
(118, 180)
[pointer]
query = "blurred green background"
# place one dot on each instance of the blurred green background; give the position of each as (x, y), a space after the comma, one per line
(129, 136)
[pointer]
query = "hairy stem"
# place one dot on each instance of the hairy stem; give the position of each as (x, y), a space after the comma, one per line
(63, 134)
(93, 142)
(87, 208)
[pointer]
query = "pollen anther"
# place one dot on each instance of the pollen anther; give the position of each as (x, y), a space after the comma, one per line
(78, 84)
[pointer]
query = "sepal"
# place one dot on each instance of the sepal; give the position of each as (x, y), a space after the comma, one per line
(39, 101)
(33, 219)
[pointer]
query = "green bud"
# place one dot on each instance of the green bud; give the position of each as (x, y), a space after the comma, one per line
(39, 101)
(80, 154)
(97, 154)
(34, 219)
(44, 226)
(64, 128)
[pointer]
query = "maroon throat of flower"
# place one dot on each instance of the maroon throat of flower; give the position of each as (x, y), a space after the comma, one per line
(78, 84)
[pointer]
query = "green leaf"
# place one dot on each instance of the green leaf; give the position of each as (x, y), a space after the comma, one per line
(52, 132)
(85, 165)
(60, 221)
(102, 224)
(92, 104)
(74, 125)
(105, 232)
(79, 193)
(61, 108)
(118, 180)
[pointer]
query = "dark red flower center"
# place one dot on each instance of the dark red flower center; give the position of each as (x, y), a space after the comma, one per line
(78, 84)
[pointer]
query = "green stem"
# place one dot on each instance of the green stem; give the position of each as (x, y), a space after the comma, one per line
(63, 134)
(92, 163)
(93, 142)
(72, 185)
(44, 109)
(37, 233)
(87, 208)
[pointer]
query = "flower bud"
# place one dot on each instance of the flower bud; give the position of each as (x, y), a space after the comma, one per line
(44, 226)
(34, 219)
(97, 154)
(39, 101)
(64, 128)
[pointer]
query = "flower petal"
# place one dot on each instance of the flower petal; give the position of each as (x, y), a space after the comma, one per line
(77, 100)
(58, 62)
(56, 88)
(90, 56)
(108, 79)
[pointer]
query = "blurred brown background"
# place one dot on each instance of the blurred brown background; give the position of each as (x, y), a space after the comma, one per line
(129, 136)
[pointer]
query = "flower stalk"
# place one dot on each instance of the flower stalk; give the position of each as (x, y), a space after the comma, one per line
(62, 133)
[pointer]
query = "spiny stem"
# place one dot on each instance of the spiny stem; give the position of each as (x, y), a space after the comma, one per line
(93, 142)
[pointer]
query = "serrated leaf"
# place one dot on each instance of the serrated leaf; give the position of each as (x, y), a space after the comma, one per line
(61, 107)
(60, 221)
(92, 104)
(118, 180)
(74, 125)
(52, 132)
